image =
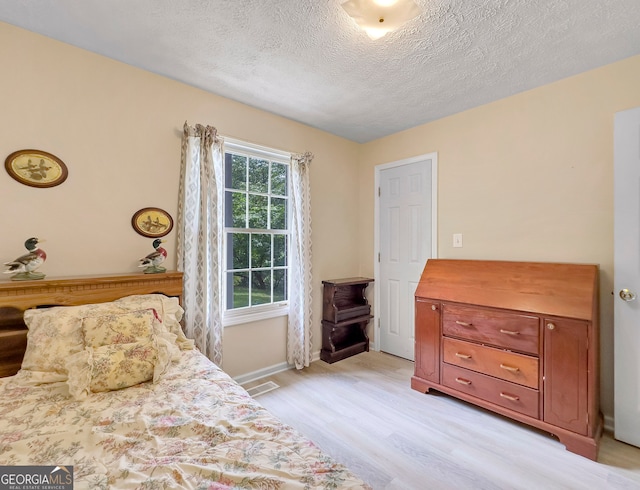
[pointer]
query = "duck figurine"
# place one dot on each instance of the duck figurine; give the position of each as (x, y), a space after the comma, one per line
(23, 268)
(152, 262)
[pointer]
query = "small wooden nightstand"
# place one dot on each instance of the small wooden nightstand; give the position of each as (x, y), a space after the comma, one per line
(345, 315)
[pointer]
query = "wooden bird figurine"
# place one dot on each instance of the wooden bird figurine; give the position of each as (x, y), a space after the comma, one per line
(24, 266)
(152, 262)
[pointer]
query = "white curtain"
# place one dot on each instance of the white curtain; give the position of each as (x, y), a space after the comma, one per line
(200, 228)
(300, 279)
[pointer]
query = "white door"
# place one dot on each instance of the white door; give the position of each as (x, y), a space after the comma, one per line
(405, 242)
(627, 275)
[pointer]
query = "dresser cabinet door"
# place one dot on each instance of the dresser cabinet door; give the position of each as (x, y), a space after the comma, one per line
(566, 374)
(427, 340)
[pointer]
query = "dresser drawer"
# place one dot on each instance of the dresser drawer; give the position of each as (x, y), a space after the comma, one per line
(509, 366)
(509, 330)
(508, 395)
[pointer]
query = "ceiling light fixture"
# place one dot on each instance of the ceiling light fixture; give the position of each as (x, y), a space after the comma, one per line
(379, 17)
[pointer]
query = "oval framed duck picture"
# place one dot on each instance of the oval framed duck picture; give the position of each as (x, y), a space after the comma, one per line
(36, 168)
(152, 222)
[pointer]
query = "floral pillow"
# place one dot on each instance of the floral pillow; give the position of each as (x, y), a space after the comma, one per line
(121, 365)
(111, 367)
(53, 334)
(121, 350)
(56, 333)
(119, 328)
(168, 309)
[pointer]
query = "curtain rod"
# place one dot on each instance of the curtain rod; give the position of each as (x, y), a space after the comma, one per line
(266, 149)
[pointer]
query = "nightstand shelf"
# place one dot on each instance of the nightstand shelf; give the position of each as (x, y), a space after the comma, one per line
(346, 314)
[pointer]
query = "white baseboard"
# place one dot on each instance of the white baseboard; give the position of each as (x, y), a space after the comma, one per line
(609, 423)
(262, 373)
(268, 371)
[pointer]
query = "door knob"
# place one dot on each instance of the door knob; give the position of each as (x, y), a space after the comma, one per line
(627, 295)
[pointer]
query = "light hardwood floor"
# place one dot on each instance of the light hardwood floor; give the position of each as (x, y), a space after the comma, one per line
(362, 411)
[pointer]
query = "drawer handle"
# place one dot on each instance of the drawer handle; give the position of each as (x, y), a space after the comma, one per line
(510, 368)
(463, 356)
(513, 398)
(509, 332)
(463, 381)
(464, 324)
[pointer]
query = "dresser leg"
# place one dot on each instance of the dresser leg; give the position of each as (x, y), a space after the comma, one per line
(583, 445)
(418, 384)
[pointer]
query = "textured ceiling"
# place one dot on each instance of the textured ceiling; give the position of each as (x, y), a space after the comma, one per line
(308, 61)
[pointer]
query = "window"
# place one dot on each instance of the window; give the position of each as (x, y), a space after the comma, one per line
(256, 232)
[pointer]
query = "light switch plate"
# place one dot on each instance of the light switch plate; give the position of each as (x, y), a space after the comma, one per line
(457, 239)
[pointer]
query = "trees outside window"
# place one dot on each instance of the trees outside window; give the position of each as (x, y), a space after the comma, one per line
(256, 220)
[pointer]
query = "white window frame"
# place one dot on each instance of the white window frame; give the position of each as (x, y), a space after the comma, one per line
(272, 310)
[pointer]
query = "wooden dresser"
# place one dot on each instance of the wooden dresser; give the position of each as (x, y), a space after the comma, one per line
(518, 338)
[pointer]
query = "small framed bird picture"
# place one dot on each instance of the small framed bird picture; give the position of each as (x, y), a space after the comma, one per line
(152, 222)
(36, 168)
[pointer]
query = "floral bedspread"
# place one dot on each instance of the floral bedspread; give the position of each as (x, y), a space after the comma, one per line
(196, 428)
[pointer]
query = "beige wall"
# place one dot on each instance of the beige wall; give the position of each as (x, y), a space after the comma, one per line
(529, 177)
(118, 130)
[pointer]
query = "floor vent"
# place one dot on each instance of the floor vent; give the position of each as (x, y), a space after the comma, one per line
(263, 388)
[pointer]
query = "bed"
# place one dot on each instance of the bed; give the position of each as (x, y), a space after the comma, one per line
(71, 395)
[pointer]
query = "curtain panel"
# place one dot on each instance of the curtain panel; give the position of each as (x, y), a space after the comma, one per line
(200, 230)
(299, 339)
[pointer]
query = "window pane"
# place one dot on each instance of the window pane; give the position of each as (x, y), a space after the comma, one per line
(258, 211)
(235, 210)
(256, 199)
(279, 285)
(279, 179)
(279, 250)
(237, 289)
(235, 171)
(261, 287)
(260, 250)
(278, 213)
(238, 251)
(258, 175)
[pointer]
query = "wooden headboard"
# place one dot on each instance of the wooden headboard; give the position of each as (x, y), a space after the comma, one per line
(17, 296)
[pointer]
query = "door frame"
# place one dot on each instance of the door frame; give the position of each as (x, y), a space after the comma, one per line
(376, 232)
